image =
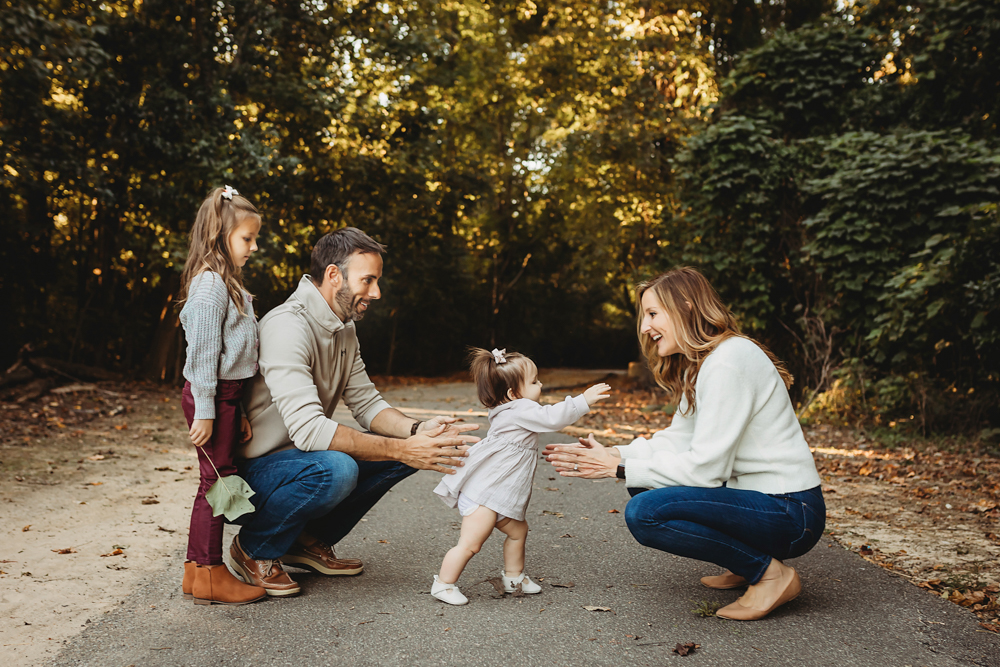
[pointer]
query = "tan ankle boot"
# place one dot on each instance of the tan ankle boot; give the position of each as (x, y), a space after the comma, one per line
(187, 583)
(724, 581)
(214, 584)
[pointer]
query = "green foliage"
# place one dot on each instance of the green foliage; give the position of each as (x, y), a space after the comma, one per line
(807, 79)
(526, 163)
(706, 609)
(511, 156)
(954, 49)
(873, 251)
(731, 177)
(862, 251)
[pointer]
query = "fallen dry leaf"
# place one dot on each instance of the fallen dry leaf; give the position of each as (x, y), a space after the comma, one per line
(116, 552)
(593, 608)
(566, 535)
(383, 541)
(498, 585)
(150, 501)
(686, 649)
(165, 469)
(551, 513)
(568, 584)
(96, 457)
(613, 512)
(26, 528)
(68, 550)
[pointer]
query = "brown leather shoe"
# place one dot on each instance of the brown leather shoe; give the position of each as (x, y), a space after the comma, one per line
(264, 573)
(214, 584)
(187, 583)
(724, 581)
(320, 558)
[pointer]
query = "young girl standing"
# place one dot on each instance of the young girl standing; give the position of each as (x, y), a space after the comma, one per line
(492, 489)
(221, 333)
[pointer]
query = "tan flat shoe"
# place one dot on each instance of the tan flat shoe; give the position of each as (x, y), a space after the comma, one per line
(724, 581)
(785, 590)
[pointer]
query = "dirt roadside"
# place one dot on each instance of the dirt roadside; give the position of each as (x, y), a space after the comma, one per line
(96, 489)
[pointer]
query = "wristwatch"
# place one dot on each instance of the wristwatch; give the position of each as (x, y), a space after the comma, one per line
(620, 473)
(413, 429)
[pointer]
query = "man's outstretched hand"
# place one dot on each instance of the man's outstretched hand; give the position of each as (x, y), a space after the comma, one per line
(434, 449)
(454, 427)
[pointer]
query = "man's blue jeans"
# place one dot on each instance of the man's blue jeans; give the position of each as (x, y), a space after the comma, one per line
(738, 530)
(324, 493)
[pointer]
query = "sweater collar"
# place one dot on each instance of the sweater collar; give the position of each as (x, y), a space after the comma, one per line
(308, 294)
(503, 407)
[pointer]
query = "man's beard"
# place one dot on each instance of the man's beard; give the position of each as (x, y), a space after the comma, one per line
(348, 302)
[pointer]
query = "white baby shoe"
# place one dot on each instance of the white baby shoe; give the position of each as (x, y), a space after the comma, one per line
(527, 585)
(448, 592)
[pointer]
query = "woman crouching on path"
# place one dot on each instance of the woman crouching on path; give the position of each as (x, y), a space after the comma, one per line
(732, 480)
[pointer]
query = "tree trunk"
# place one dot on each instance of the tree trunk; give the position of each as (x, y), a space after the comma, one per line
(161, 362)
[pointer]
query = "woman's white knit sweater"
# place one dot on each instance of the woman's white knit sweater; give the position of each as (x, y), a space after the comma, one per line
(743, 432)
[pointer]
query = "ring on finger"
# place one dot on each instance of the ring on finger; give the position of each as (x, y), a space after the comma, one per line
(576, 466)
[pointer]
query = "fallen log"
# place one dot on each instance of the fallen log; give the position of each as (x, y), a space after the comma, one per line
(33, 389)
(72, 388)
(71, 370)
(17, 374)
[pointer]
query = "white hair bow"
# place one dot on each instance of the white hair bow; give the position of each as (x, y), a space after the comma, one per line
(228, 192)
(498, 356)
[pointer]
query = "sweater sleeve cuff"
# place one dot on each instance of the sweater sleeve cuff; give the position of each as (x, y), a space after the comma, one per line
(637, 449)
(323, 437)
(637, 475)
(366, 418)
(204, 407)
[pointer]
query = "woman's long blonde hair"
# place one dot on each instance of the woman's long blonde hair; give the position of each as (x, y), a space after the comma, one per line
(208, 248)
(700, 320)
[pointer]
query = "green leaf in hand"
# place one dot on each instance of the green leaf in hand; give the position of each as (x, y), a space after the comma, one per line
(229, 496)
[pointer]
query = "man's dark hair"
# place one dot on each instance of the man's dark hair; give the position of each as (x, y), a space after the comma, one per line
(337, 247)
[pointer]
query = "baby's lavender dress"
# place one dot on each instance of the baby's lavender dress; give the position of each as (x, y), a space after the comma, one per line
(500, 468)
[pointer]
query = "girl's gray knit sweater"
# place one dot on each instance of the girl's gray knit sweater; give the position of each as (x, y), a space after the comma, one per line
(221, 342)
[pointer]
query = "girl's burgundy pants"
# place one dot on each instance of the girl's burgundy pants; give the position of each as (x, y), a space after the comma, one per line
(205, 536)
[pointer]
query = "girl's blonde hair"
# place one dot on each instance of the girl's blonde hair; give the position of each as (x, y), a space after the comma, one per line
(494, 380)
(208, 248)
(700, 321)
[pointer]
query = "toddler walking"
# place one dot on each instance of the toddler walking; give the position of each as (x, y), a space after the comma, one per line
(492, 489)
(221, 333)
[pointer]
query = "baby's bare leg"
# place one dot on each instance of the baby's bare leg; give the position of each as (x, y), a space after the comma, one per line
(513, 546)
(476, 528)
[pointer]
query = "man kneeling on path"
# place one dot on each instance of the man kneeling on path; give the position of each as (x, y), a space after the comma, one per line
(314, 479)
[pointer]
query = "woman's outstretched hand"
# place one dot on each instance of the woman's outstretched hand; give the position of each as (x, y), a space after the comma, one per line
(588, 459)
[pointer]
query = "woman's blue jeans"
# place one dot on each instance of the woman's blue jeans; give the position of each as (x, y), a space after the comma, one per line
(324, 493)
(738, 530)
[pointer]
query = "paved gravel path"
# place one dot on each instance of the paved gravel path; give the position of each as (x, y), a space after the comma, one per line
(850, 612)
